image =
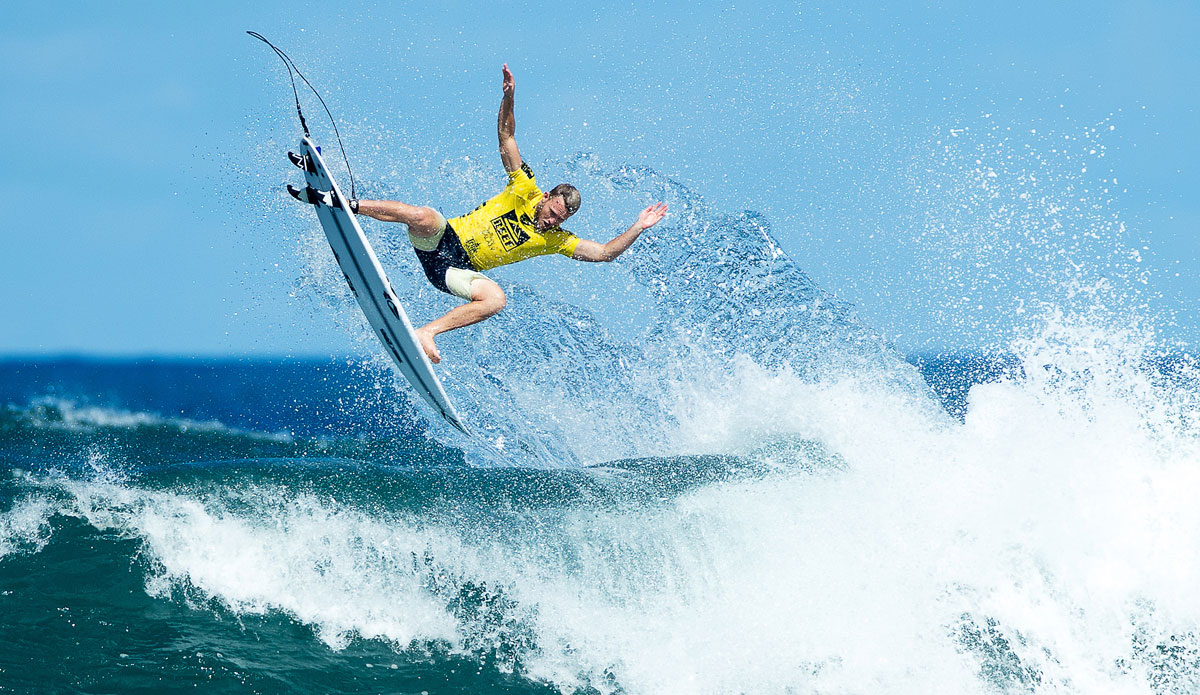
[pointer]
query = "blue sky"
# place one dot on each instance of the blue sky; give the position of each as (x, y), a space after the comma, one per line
(891, 148)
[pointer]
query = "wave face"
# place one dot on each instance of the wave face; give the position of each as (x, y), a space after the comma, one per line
(751, 493)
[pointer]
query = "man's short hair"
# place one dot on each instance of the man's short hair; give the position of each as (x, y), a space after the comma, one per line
(569, 195)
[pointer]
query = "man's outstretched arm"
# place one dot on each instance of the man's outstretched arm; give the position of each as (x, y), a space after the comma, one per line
(596, 252)
(506, 125)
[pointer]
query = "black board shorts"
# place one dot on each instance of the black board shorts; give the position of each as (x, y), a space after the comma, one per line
(448, 254)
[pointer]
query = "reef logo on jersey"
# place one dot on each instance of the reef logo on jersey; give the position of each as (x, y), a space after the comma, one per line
(509, 230)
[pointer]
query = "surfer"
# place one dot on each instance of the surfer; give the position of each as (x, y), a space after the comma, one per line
(520, 222)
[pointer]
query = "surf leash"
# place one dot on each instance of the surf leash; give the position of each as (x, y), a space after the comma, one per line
(292, 72)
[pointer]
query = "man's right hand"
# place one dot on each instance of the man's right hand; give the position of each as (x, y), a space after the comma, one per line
(509, 84)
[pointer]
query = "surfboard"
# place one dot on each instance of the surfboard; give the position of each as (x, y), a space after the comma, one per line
(374, 292)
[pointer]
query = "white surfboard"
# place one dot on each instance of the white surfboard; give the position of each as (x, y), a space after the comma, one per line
(375, 295)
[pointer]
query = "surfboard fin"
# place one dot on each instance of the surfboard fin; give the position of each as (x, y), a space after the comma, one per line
(312, 196)
(302, 161)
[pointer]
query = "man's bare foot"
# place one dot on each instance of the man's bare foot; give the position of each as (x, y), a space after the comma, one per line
(428, 345)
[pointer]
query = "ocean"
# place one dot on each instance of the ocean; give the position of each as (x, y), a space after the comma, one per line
(752, 492)
(278, 527)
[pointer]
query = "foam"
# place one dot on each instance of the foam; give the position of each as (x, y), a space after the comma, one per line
(25, 526)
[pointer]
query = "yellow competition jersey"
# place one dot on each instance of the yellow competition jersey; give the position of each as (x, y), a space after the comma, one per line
(503, 231)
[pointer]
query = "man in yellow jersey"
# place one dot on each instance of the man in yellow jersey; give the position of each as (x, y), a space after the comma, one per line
(521, 222)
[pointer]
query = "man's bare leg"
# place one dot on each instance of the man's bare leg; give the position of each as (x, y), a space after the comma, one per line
(422, 221)
(487, 299)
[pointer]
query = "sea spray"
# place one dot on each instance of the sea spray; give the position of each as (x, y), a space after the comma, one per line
(724, 294)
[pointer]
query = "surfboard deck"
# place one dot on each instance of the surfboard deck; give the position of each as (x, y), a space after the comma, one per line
(378, 301)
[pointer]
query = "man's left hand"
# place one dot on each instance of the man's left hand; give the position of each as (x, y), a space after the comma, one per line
(652, 215)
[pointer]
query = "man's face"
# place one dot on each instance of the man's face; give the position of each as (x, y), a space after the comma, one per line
(552, 212)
